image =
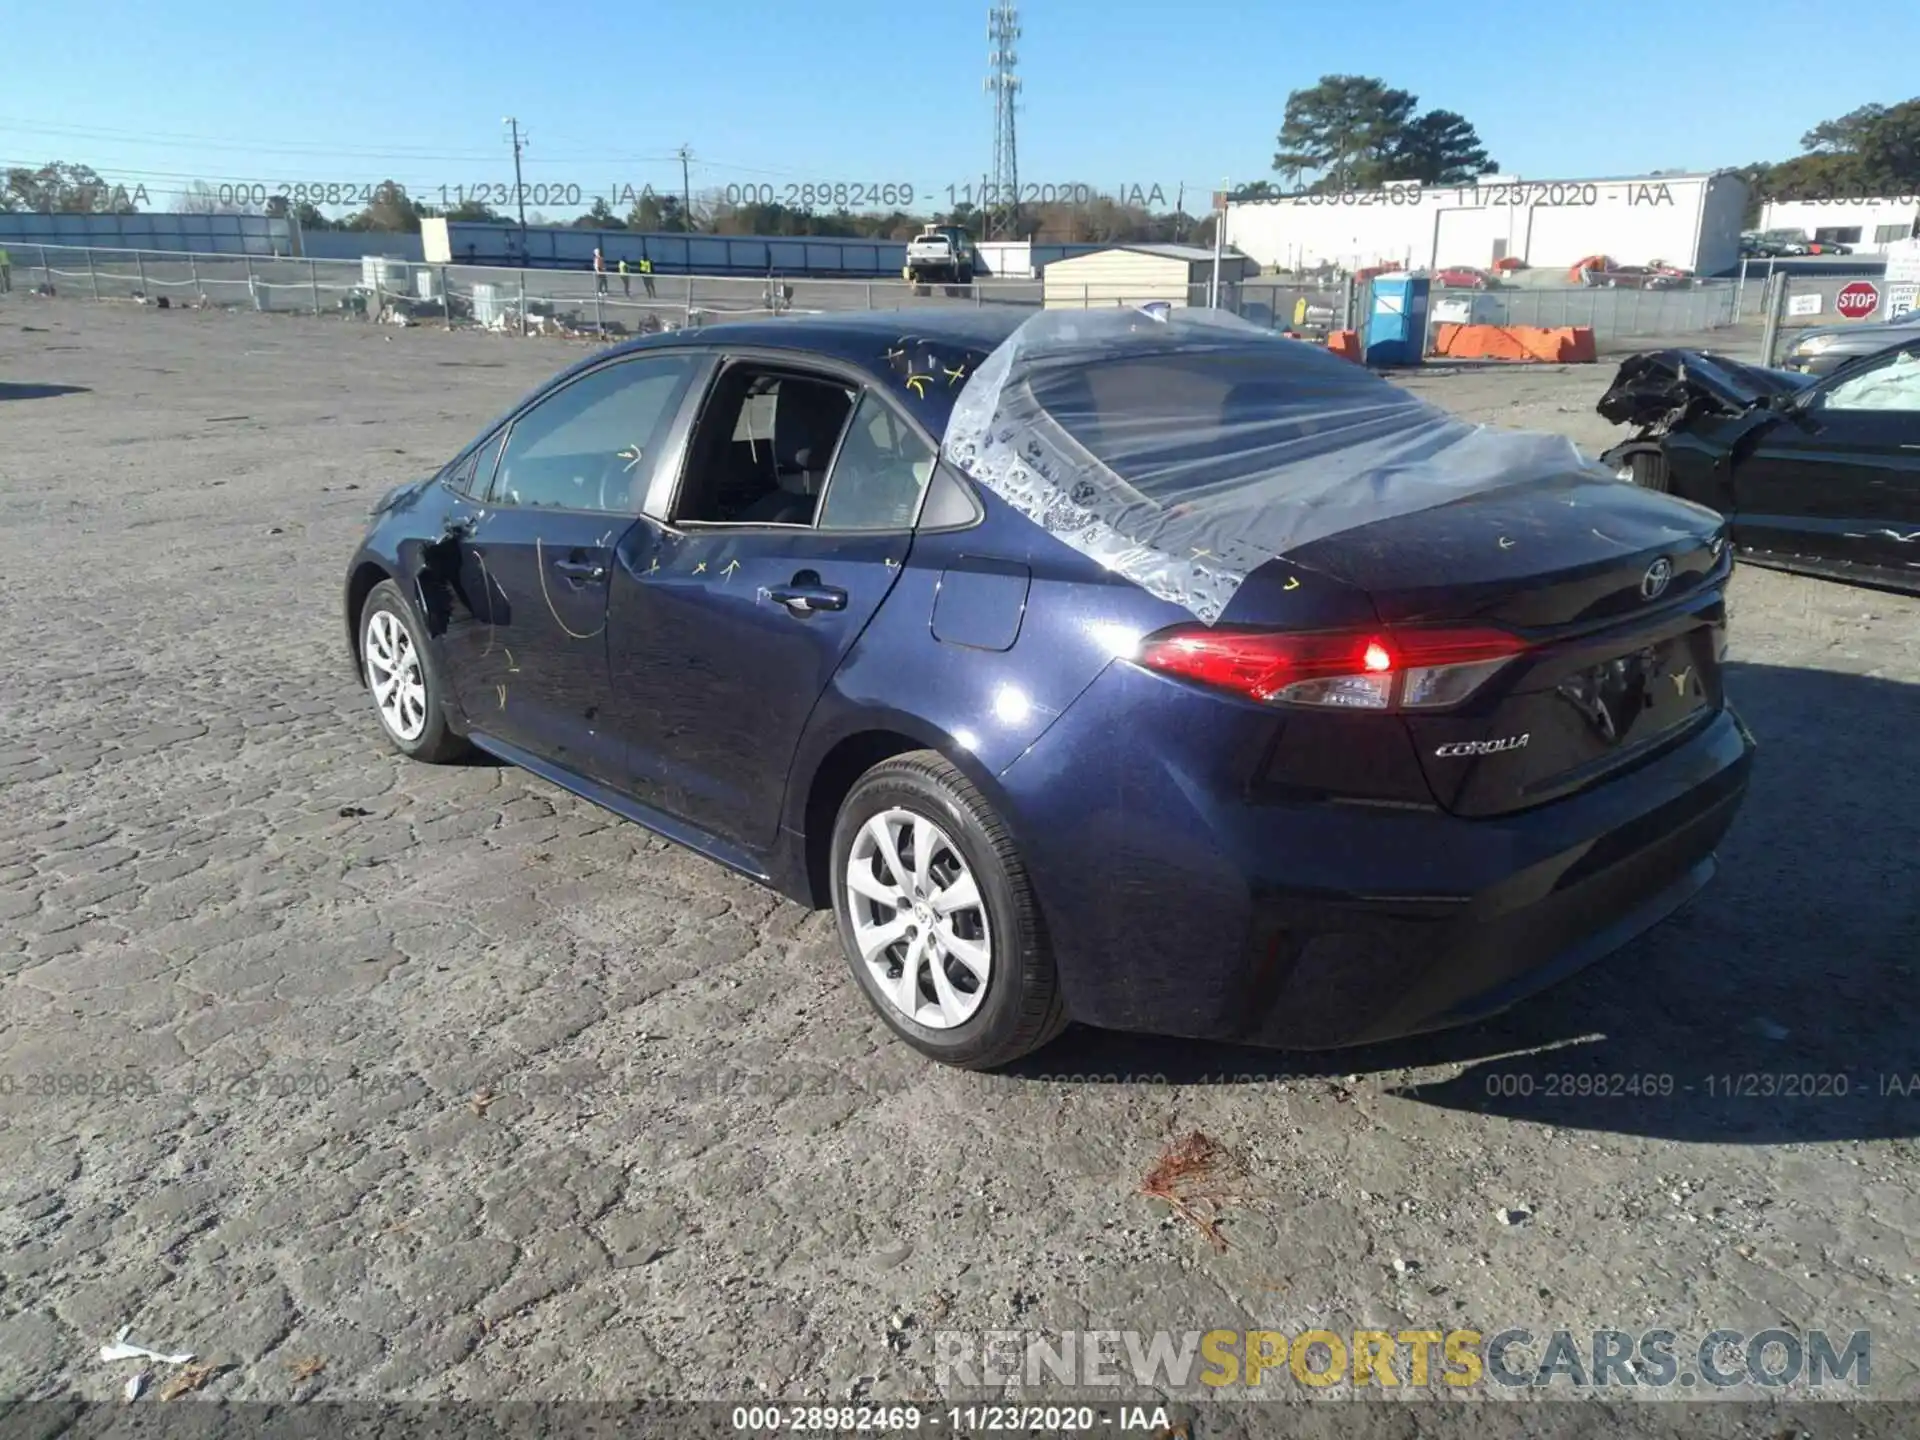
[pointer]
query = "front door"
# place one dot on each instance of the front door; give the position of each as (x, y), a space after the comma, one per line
(569, 484)
(725, 627)
(1838, 479)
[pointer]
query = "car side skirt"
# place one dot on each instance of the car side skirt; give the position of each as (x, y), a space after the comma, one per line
(661, 824)
(1868, 577)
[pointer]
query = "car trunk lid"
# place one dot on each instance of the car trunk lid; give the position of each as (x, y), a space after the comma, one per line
(1618, 594)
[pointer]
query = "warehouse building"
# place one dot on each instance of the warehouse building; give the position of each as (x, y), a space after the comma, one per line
(1866, 226)
(1693, 221)
(1139, 275)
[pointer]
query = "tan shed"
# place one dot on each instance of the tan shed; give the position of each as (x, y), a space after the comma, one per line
(1139, 274)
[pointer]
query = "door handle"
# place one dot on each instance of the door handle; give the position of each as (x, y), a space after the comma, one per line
(581, 569)
(802, 599)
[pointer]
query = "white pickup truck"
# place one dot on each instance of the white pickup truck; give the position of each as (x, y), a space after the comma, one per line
(940, 255)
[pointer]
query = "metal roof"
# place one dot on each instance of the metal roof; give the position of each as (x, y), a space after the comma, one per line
(1192, 254)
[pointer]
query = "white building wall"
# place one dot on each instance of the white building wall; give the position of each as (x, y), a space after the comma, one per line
(1545, 223)
(1723, 216)
(1115, 277)
(1868, 216)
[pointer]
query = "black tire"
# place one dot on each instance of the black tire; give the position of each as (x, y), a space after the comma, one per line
(1022, 1009)
(1648, 470)
(436, 744)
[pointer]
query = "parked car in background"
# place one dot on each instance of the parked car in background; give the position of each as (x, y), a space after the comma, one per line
(1820, 476)
(1753, 246)
(1637, 277)
(1822, 349)
(1463, 277)
(1151, 671)
(1788, 242)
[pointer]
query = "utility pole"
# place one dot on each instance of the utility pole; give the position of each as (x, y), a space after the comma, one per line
(519, 189)
(686, 189)
(1219, 243)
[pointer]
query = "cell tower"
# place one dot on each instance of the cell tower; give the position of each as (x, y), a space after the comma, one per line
(1003, 192)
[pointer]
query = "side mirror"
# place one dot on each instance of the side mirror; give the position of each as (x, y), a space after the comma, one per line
(1796, 407)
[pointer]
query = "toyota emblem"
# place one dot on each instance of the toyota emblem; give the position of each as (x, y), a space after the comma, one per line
(1654, 583)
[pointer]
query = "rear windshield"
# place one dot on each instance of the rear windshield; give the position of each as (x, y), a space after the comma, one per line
(1171, 423)
(1187, 448)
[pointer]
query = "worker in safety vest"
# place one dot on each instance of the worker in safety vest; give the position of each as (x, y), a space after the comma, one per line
(626, 280)
(646, 273)
(6, 273)
(599, 271)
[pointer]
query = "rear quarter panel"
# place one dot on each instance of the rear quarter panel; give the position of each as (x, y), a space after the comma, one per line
(1015, 659)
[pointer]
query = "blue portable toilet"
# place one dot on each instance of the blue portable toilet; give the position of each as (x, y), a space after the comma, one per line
(1395, 327)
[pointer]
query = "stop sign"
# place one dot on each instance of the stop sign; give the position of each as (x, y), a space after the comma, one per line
(1857, 299)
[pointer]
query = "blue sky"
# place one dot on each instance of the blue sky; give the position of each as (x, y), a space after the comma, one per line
(889, 91)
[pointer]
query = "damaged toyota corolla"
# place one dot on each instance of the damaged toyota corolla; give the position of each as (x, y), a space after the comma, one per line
(1149, 671)
(1819, 476)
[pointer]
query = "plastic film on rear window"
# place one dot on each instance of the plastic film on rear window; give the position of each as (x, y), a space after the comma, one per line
(1186, 451)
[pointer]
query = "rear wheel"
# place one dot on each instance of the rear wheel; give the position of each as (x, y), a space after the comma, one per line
(937, 918)
(405, 688)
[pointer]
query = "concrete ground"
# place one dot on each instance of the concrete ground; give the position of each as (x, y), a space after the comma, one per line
(462, 1088)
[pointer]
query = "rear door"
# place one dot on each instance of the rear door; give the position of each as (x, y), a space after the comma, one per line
(725, 631)
(1838, 480)
(571, 479)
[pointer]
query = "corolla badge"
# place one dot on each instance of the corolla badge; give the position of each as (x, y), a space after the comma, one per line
(1654, 583)
(1482, 747)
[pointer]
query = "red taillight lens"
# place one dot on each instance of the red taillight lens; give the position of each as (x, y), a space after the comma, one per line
(1415, 669)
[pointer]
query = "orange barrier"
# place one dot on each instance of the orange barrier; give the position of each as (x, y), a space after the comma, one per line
(1345, 344)
(1562, 344)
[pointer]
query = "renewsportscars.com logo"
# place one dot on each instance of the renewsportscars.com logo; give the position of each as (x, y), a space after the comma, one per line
(1443, 1361)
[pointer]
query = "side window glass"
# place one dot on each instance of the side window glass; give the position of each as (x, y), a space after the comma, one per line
(1892, 384)
(472, 476)
(593, 446)
(882, 468)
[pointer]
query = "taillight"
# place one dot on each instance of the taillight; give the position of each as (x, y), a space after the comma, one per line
(1425, 668)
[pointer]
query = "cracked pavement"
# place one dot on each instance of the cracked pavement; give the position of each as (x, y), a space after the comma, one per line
(471, 1090)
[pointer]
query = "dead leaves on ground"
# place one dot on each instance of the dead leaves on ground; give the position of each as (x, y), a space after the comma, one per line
(1198, 1178)
(189, 1380)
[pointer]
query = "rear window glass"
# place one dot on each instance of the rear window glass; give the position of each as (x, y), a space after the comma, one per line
(1168, 423)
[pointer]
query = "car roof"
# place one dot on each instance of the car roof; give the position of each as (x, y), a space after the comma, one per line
(860, 337)
(922, 354)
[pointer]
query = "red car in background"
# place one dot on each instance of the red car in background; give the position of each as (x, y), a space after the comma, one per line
(1462, 277)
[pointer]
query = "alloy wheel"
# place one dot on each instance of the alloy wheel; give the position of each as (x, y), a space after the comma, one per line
(395, 677)
(919, 920)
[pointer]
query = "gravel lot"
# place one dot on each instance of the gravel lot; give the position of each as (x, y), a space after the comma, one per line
(469, 1090)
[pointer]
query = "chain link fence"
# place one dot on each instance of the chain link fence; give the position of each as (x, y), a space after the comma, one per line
(582, 302)
(530, 301)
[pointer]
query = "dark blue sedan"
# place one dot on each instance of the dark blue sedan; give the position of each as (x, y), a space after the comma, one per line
(1146, 670)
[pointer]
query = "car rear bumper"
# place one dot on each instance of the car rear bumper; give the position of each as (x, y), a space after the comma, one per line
(1317, 925)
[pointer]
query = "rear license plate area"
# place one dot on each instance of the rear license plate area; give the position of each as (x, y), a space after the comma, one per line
(1648, 691)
